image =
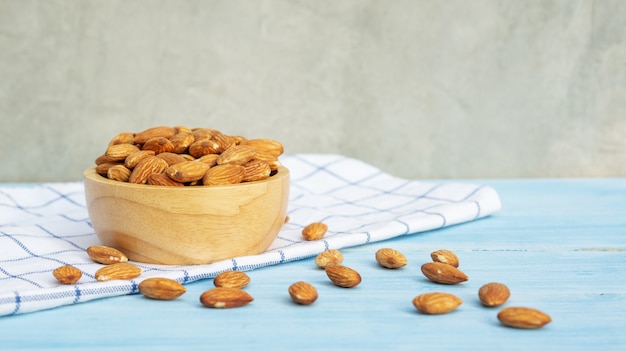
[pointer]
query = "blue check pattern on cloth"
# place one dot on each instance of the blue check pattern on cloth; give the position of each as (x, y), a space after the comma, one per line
(44, 226)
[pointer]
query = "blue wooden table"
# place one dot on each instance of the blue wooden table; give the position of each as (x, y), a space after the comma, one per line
(559, 245)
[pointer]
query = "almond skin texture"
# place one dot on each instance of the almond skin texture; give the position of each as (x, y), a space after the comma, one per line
(119, 152)
(223, 175)
(162, 180)
(158, 145)
(266, 146)
(237, 154)
(161, 289)
(493, 294)
(145, 167)
(445, 256)
(123, 271)
(67, 274)
(329, 258)
(133, 159)
(256, 170)
(314, 231)
(443, 273)
(302, 293)
(231, 279)
(523, 318)
(390, 258)
(436, 303)
(220, 297)
(119, 173)
(343, 276)
(105, 254)
(160, 131)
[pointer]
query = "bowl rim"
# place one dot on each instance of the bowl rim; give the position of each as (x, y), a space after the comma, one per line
(91, 174)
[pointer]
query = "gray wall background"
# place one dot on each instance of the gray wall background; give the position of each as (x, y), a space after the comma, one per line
(418, 88)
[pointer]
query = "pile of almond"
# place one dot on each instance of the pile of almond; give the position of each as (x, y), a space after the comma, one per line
(179, 156)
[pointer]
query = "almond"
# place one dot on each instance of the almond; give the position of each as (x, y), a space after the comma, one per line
(160, 131)
(314, 231)
(161, 288)
(119, 173)
(133, 159)
(443, 273)
(158, 145)
(237, 154)
(302, 293)
(162, 180)
(266, 146)
(329, 258)
(123, 138)
(523, 318)
(187, 171)
(220, 297)
(182, 141)
(204, 133)
(231, 279)
(223, 175)
(436, 303)
(256, 170)
(118, 271)
(223, 141)
(105, 254)
(119, 152)
(145, 167)
(269, 159)
(343, 276)
(390, 258)
(445, 256)
(103, 168)
(493, 294)
(67, 274)
(210, 159)
(203, 147)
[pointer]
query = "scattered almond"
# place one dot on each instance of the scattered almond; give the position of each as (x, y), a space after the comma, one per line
(390, 258)
(436, 302)
(445, 256)
(329, 258)
(67, 274)
(302, 293)
(493, 294)
(231, 279)
(523, 318)
(343, 276)
(314, 231)
(443, 273)
(116, 271)
(221, 297)
(105, 254)
(161, 288)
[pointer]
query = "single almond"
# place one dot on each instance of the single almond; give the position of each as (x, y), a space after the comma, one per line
(329, 258)
(203, 147)
(145, 167)
(67, 274)
(159, 131)
(436, 303)
(119, 173)
(158, 145)
(210, 159)
(223, 141)
(161, 288)
(119, 152)
(445, 256)
(117, 271)
(343, 276)
(237, 154)
(220, 297)
(223, 175)
(256, 170)
(105, 254)
(523, 317)
(266, 146)
(231, 279)
(302, 293)
(443, 273)
(390, 258)
(187, 171)
(123, 138)
(314, 231)
(181, 142)
(493, 294)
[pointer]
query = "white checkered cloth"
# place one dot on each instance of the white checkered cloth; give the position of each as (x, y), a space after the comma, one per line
(44, 226)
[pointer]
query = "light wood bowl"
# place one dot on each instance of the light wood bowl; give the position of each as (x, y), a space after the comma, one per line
(187, 225)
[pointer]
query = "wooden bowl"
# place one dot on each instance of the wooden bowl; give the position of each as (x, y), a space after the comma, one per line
(187, 225)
